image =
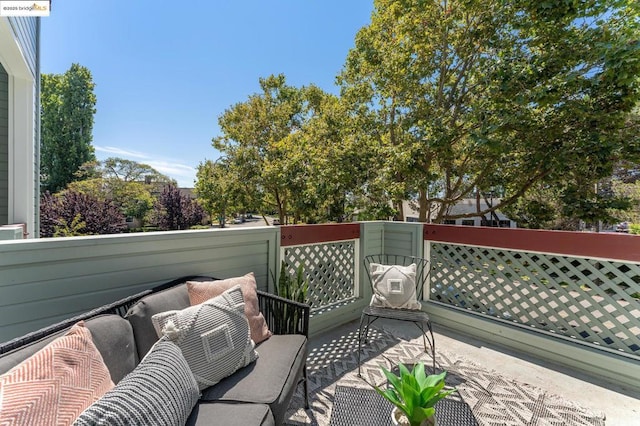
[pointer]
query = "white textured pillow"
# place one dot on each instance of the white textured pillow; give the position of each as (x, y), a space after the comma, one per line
(213, 336)
(394, 286)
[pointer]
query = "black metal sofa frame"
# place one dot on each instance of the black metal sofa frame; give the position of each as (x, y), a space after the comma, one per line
(283, 317)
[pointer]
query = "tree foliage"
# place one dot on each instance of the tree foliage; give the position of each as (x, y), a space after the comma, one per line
(174, 211)
(288, 150)
(461, 98)
(215, 189)
(66, 111)
(128, 184)
(71, 213)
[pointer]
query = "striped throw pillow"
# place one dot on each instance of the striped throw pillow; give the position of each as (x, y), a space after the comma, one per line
(214, 336)
(54, 385)
(160, 391)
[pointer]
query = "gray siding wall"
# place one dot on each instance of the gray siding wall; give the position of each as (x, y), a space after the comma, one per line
(26, 32)
(4, 146)
(46, 281)
(403, 238)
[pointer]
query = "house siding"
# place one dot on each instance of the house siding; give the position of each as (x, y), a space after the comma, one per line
(26, 34)
(25, 30)
(47, 280)
(4, 146)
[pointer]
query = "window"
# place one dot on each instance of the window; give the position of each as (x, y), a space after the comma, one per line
(449, 222)
(468, 222)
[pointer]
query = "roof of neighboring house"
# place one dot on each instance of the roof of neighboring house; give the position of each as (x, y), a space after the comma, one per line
(188, 192)
(464, 206)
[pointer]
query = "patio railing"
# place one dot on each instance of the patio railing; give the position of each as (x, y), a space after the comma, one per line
(515, 287)
(573, 293)
(329, 256)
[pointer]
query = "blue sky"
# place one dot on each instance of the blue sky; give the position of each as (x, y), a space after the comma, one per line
(164, 74)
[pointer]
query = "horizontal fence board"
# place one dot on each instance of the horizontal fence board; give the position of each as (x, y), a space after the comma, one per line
(585, 244)
(44, 281)
(292, 235)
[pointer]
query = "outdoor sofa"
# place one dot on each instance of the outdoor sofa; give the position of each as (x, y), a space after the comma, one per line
(257, 394)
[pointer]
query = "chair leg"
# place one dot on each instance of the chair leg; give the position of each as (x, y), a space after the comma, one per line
(433, 346)
(306, 386)
(432, 342)
(360, 340)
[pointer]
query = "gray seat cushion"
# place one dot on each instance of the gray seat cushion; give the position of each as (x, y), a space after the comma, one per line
(139, 315)
(229, 414)
(111, 334)
(271, 380)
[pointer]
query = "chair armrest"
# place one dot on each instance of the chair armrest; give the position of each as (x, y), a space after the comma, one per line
(284, 316)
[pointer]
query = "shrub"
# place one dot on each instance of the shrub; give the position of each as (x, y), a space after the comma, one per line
(175, 211)
(72, 213)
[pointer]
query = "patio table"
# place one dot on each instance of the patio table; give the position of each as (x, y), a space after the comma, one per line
(365, 407)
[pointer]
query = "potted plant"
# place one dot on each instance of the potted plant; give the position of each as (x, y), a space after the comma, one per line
(291, 287)
(414, 395)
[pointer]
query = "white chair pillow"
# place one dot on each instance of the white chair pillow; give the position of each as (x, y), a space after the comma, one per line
(394, 286)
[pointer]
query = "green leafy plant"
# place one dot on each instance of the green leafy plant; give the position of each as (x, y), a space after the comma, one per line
(634, 228)
(292, 287)
(415, 393)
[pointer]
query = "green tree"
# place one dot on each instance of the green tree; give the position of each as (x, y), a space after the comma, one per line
(215, 189)
(128, 184)
(460, 98)
(67, 109)
(265, 148)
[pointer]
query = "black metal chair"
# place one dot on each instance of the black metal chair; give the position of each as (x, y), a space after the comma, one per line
(420, 318)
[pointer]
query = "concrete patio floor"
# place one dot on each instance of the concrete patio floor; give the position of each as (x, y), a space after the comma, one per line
(620, 405)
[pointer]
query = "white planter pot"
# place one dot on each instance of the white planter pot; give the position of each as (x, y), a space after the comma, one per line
(399, 419)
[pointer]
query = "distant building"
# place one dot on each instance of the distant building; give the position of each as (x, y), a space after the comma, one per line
(465, 206)
(20, 123)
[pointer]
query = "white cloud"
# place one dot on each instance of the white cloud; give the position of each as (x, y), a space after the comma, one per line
(120, 151)
(184, 174)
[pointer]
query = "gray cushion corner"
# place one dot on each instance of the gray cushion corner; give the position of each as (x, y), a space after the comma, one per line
(139, 315)
(230, 414)
(113, 336)
(271, 379)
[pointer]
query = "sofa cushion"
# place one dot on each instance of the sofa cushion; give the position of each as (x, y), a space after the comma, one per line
(213, 336)
(201, 291)
(139, 315)
(230, 414)
(113, 337)
(160, 391)
(271, 380)
(111, 334)
(54, 385)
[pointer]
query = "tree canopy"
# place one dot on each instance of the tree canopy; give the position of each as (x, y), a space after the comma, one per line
(462, 98)
(284, 148)
(128, 184)
(66, 110)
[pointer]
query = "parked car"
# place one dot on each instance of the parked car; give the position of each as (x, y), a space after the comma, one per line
(622, 227)
(276, 222)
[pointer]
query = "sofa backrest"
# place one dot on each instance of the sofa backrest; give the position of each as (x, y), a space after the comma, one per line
(112, 335)
(139, 315)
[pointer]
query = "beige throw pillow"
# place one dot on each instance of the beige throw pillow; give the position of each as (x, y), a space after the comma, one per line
(200, 291)
(54, 385)
(213, 336)
(394, 286)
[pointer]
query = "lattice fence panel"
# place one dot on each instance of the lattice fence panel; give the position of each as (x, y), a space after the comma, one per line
(595, 301)
(330, 268)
